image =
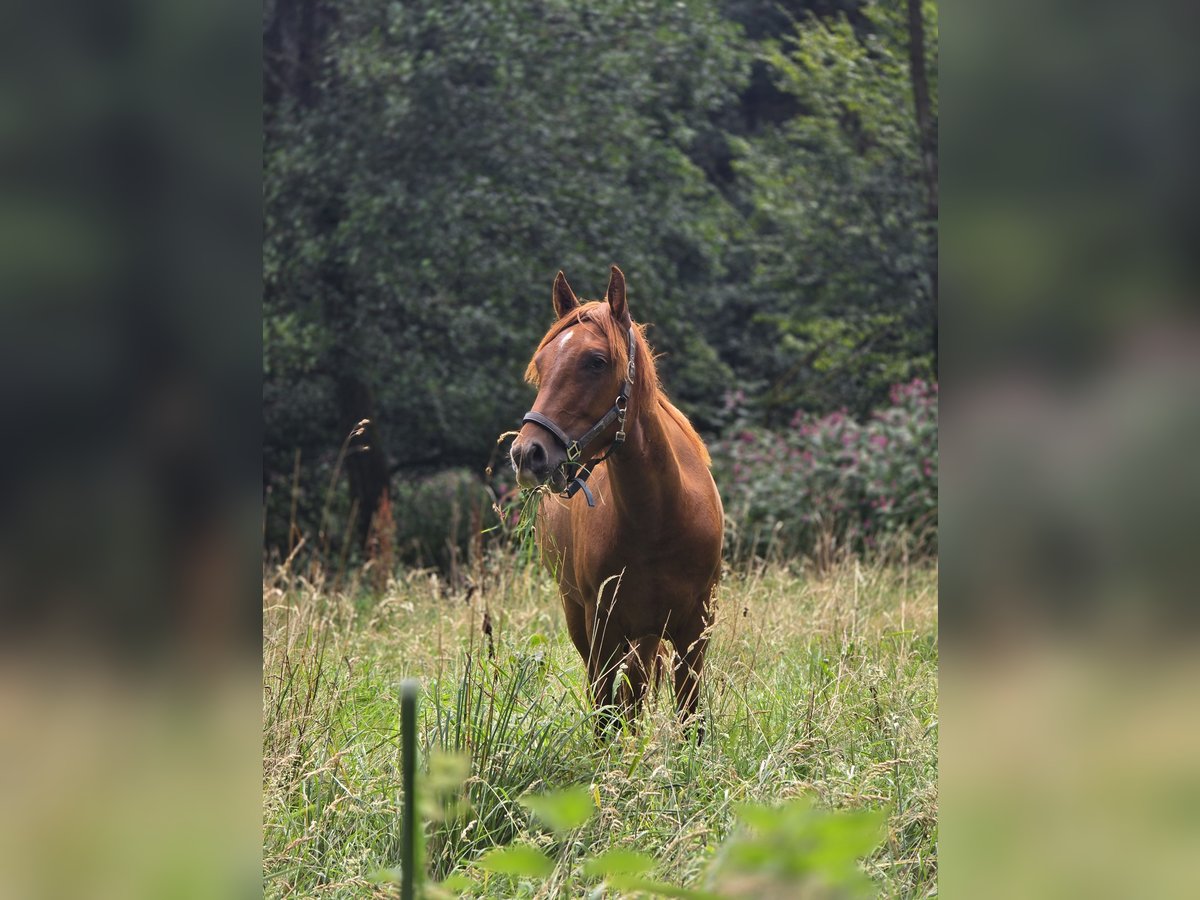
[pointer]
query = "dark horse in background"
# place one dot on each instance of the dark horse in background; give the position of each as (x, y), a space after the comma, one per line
(642, 564)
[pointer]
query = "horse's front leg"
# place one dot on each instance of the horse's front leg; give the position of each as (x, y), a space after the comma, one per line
(635, 672)
(581, 626)
(604, 665)
(689, 666)
(577, 627)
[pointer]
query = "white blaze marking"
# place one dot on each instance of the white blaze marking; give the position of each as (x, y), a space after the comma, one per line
(562, 341)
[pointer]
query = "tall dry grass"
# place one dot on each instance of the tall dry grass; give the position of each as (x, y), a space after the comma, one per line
(819, 684)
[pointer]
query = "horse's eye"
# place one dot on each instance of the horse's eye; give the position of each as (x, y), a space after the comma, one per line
(595, 363)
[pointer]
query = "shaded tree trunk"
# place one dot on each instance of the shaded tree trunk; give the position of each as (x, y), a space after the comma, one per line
(293, 37)
(927, 135)
(366, 460)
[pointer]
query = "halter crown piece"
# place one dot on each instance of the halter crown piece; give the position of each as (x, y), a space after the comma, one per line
(577, 449)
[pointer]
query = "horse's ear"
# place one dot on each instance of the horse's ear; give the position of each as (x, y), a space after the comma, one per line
(564, 298)
(616, 296)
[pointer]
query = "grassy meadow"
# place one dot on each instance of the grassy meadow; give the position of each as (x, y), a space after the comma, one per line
(818, 685)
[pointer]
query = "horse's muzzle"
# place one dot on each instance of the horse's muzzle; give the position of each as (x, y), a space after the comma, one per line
(535, 463)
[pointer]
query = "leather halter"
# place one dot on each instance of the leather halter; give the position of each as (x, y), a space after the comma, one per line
(577, 449)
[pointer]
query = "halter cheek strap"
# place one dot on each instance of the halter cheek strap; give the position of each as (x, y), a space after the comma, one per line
(576, 449)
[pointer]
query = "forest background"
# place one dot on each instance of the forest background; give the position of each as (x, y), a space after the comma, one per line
(765, 174)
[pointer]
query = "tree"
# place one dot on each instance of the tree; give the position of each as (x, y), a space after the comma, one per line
(429, 166)
(927, 132)
(844, 247)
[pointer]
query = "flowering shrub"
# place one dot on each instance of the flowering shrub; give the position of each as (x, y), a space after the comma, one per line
(834, 481)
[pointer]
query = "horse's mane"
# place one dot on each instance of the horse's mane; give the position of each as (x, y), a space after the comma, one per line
(647, 392)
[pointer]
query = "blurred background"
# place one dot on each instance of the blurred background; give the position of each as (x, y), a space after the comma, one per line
(130, 535)
(419, 174)
(1070, 418)
(765, 174)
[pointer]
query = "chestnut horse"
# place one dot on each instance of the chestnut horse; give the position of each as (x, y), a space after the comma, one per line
(642, 564)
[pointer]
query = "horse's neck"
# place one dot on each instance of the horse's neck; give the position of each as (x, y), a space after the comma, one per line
(644, 474)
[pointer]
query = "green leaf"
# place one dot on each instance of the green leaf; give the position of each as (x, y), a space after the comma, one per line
(561, 811)
(457, 882)
(384, 876)
(797, 844)
(618, 862)
(519, 859)
(632, 883)
(447, 772)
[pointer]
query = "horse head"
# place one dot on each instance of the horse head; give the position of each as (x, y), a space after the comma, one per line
(584, 379)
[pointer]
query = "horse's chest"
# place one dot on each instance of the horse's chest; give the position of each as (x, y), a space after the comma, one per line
(642, 571)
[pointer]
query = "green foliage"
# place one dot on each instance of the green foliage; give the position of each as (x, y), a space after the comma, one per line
(498, 718)
(833, 482)
(562, 811)
(519, 859)
(429, 166)
(779, 850)
(844, 252)
(821, 709)
(453, 158)
(618, 862)
(796, 846)
(439, 517)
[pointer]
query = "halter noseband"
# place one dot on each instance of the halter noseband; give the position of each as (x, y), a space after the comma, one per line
(576, 449)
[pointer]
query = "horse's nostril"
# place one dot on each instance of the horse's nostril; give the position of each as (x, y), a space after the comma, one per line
(530, 457)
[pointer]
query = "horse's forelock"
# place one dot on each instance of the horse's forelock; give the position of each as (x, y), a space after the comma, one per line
(592, 311)
(599, 313)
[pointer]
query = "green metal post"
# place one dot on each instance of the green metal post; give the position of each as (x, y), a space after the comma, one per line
(408, 761)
